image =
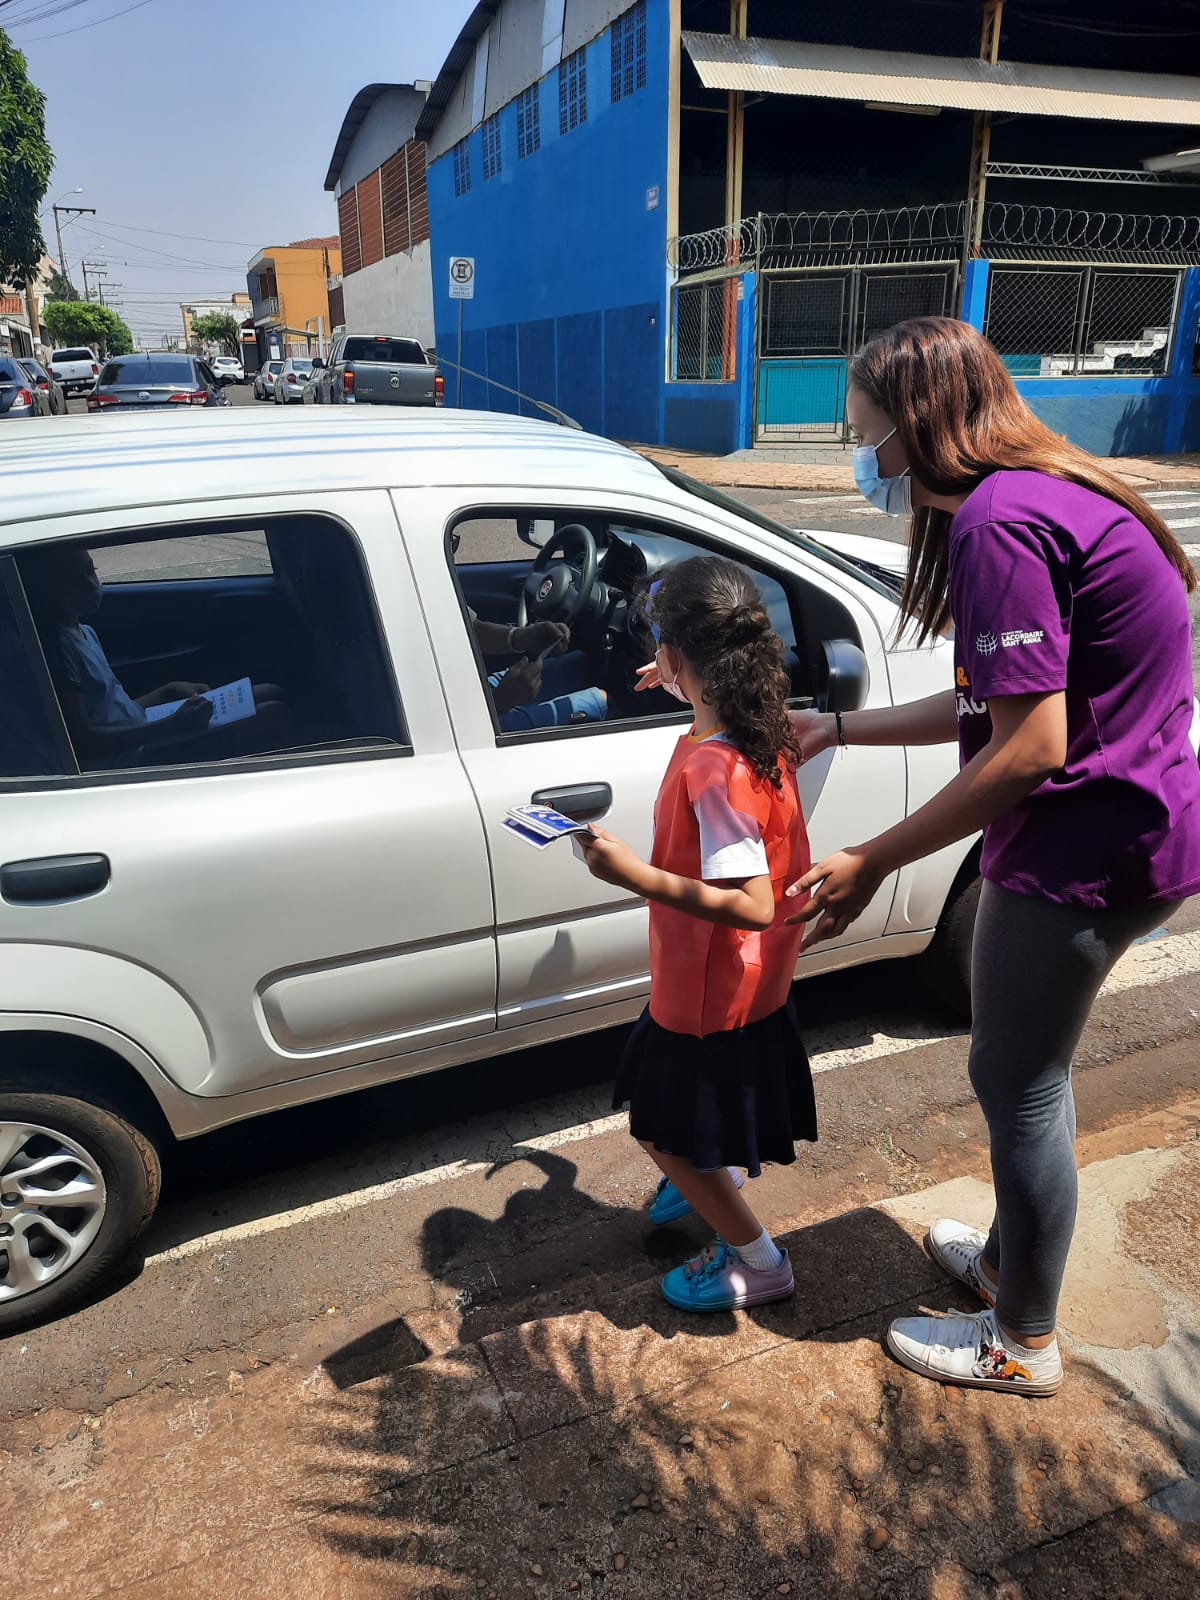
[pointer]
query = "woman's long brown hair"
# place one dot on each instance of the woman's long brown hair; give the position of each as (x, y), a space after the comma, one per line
(960, 418)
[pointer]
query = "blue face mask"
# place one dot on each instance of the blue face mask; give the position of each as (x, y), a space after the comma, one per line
(893, 495)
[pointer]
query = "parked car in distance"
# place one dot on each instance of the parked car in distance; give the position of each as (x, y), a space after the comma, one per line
(76, 369)
(194, 935)
(158, 380)
(228, 369)
(290, 380)
(20, 395)
(53, 391)
(379, 370)
(264, 380)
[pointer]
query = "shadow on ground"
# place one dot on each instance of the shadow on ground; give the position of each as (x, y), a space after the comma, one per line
(623, 1449)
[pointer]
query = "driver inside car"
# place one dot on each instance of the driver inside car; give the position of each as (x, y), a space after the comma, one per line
(547, 686)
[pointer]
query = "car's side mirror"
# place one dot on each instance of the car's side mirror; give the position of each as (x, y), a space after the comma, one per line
(318, 365)
(847, 676)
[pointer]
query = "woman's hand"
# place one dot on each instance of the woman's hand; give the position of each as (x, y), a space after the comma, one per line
(611, 860)
(843, 885)
(815, 731)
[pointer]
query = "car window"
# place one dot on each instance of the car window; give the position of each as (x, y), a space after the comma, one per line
(73, 355)
(594, 680)
(397, 352)
(9, 373)
(277, 616)
(143, 370)
(28, 744)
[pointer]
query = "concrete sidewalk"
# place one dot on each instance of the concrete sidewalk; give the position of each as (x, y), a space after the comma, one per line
(827, 467)
(625, 1450)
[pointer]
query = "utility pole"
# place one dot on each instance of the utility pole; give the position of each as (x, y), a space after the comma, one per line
(97, 269)
(75, 211)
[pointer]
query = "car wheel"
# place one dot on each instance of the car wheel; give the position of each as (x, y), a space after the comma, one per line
(947, 961)
(78, 1183)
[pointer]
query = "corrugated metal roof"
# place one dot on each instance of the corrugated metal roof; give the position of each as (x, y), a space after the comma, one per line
(838, 72)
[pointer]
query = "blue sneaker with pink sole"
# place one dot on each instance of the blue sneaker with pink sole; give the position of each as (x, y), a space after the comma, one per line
(669, 1205)
(719, 1280)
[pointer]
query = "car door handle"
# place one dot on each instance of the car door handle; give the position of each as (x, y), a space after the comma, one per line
(581, 801)
(50, 878)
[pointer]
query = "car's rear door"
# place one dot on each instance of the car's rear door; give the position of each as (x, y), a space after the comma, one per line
(314, 884)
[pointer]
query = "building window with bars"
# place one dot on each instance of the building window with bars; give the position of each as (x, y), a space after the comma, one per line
(529, 125)
(629, 52)
(491, 147)
(462, 166)
(572, 92)
(1095, 322)
(703, 331)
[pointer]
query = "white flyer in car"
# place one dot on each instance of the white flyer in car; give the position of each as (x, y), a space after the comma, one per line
(232, 702)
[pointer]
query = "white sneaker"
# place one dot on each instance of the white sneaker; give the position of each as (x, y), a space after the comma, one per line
(971, 1351)
(957, 1250)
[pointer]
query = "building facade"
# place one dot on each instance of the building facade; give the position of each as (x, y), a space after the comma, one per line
(237, 306)
(289, 294)
(377, 174)
(686, 215)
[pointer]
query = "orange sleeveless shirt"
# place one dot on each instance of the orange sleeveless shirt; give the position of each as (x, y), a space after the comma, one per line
(704, 978)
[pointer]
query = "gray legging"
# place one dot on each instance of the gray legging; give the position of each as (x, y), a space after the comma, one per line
(1037, 968)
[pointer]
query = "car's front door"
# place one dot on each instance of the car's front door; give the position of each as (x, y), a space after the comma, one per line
(567, 942)
(313, 881)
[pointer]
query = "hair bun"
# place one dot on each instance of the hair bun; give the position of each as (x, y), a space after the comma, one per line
(746, 624)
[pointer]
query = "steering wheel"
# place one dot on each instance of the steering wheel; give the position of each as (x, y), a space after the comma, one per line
(557, 591)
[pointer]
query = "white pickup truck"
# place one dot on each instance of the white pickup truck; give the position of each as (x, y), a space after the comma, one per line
(76, 369)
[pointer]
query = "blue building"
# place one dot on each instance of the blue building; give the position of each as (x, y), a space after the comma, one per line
(686, 215)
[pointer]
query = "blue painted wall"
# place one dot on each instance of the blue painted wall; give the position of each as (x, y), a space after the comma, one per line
(1116, 416)
(570, 262)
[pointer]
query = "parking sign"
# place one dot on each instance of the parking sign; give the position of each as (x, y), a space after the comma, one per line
(462, 277)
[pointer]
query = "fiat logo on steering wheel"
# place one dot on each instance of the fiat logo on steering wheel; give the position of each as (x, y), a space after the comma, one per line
(547, 584)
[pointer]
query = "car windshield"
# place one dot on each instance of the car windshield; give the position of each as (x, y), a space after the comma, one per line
(9, 372)
(144, 370)
(396, 352)
(864, 571)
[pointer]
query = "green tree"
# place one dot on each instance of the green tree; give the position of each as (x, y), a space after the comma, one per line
(219, 327)
(25, 165)
(83, 322)
(60, 288)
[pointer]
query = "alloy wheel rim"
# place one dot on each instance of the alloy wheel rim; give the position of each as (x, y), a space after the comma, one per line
(52, 1203)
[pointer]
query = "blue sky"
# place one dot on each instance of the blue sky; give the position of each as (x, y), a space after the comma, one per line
(209, 118)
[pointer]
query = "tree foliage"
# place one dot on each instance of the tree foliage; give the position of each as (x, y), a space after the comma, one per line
(25, 165)
(219, 327)
(83, 322)
(60, 288)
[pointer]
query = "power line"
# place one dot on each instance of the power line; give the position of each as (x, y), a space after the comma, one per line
(129, 227)
(81, 27)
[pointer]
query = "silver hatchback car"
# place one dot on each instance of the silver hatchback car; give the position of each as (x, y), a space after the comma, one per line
(254, 782)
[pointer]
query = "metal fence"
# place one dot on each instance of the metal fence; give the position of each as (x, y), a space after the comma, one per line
(1067, 321)
(704, 331)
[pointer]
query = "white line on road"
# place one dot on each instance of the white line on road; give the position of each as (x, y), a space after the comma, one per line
(1175, 523)
(1154, 961)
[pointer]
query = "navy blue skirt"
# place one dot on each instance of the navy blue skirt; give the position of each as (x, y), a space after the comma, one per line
(732, 1099)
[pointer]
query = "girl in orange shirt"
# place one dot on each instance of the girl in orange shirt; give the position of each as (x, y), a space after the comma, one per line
(715, 1070)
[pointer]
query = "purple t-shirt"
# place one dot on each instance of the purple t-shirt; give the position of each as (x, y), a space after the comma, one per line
(1054, 587)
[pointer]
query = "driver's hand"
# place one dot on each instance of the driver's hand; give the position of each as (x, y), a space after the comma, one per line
(538, 637)
(648, 677)
(519, 685)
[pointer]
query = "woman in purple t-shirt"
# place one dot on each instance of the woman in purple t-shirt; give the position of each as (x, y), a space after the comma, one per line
(1072, 707)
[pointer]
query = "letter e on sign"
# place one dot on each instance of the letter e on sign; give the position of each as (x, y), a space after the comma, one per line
(462, 277)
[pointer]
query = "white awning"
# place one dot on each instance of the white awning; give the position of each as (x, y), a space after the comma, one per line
(838, 72)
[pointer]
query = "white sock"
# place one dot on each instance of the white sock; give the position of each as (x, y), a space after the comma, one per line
(761, 1254)
(1024, 1354)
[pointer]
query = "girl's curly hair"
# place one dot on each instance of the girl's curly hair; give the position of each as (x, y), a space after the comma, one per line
(711, 611)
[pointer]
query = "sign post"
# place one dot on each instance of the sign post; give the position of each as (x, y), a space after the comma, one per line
(462, 287)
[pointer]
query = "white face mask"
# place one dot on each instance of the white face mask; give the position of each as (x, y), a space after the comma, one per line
(893, 495)
(672, 686)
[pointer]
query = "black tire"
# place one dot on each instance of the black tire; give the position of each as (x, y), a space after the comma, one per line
(947, 962)
(129, 1163)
